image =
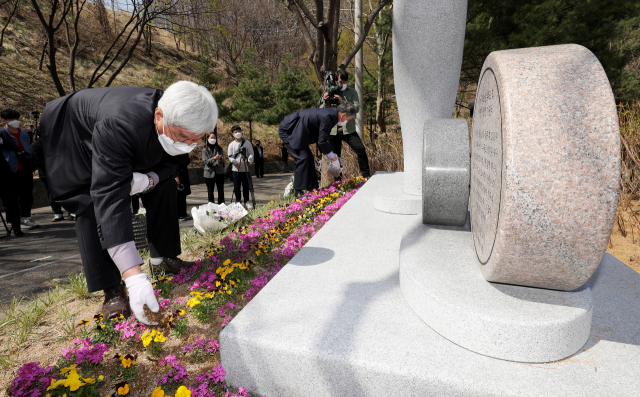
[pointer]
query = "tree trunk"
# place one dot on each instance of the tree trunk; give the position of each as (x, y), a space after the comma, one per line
(250, 132)
(4, 28)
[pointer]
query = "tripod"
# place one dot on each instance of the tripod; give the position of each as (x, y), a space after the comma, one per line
(243, 159)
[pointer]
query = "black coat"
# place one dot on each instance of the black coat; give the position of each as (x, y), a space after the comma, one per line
(303, 128)
(93, 141)
(183, 174)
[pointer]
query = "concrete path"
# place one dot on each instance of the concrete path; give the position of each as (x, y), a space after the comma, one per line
(28, 265)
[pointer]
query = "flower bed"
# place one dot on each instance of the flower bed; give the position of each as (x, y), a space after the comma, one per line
(180, 356)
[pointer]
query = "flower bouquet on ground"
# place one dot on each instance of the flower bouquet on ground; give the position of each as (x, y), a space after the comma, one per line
(216, 216)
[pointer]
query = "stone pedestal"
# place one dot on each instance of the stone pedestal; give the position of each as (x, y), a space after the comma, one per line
(441, 282)
(392, 199)
(334, 322)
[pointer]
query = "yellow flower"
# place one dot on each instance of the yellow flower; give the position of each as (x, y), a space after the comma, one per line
(88, 380)
(71, 367)
(159, 338)
(157, 392)
(146, 338)
(83, 322)
(127, 362)
(227, 262)
(101, 378)
(210, 295)
(161, 278)
(193, 302)
(73, 381)
(181, 312)
(196, 293)
(55, 383)
(123, 390)
(217, 283)
(183, 392)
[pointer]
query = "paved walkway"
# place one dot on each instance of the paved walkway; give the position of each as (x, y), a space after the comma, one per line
(30, 264)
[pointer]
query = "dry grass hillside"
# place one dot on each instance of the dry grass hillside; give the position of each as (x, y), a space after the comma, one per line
(25, 86)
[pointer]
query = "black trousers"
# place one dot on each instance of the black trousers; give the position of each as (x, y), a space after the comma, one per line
(355, 143)
(23, 182)
(305, 177)
(182, 204)
(163, 234)
(135, 203)
(260, 168)
(212, 183)
(240, 178)
(9, 197)
(54, 206)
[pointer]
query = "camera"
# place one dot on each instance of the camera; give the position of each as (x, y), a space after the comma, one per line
(332, 86)
(243, 151)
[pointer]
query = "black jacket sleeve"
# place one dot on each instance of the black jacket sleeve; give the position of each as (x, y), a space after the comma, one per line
(326, 124)
(111, 174)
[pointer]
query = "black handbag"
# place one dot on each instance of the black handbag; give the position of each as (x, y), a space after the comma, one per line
(227, 171)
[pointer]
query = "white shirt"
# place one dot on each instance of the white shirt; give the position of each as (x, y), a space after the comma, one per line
(234, 148)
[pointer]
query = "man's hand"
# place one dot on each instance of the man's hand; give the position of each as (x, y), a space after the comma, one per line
(217, 157)
(325, 96)
(334, 158)
(248, 163)
(178, 180)
(139, 183)
(140, 294)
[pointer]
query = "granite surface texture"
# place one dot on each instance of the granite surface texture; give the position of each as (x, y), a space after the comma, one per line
(545, 166)
(392, 199)
(445, 172)
(428, 39)
(333, 322)
(441, 282)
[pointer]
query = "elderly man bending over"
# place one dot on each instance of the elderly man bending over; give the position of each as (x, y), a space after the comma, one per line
(102, 145)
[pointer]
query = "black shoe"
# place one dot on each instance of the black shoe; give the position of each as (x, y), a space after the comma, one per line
(115, 302)
(299, 193)
(18, 232)
(174, 265)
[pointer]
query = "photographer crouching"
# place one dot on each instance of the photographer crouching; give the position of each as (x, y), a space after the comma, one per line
(336, 93)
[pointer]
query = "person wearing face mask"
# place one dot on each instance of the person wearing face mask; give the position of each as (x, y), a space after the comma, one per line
(101, 146)
(8, 194)
(301, 129)
(347, 133)
(240, 167)
(213, 158)
(17, 152)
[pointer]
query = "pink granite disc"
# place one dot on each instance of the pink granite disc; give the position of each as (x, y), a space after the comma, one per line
(545, 166)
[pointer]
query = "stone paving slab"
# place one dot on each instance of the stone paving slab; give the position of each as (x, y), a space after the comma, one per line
(334, 322)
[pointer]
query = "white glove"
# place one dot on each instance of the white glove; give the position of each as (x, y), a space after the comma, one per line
(141, 293)
(139, 183)
(336, 163)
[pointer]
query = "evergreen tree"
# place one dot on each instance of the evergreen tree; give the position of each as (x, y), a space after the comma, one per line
(293, 91)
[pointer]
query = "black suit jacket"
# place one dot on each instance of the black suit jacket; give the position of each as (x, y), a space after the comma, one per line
(93, 141)
(303, 128)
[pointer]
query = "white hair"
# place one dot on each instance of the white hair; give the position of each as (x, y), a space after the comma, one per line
(190, 106)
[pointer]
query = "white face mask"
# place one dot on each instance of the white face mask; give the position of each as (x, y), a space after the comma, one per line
(344, 86)
(342, 123)
(14, 124)
(212, 141)
(237, 135)
(172, 147)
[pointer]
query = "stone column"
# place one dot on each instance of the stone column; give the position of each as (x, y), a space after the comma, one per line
(428, 42)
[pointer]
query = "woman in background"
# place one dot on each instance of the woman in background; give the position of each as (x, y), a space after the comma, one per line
(213, 158)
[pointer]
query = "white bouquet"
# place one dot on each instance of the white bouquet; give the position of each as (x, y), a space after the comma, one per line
(213, 216)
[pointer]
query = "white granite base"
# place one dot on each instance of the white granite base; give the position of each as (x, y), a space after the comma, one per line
(334, 322)
(392, 198)
(441, 282)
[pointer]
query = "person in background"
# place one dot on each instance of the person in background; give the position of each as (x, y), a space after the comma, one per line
(8, 195)
(16, 149)
(213, 158)
(239, 167)
(184, 187)
(285, 158)
(36, 149)
(258, 158)
(301, 129)
(347, 133)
